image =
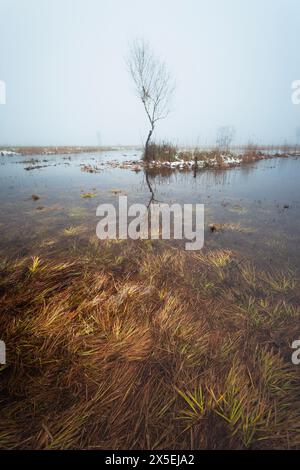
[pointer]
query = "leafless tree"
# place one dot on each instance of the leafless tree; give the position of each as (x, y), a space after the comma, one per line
(153, 83)
(225, 135)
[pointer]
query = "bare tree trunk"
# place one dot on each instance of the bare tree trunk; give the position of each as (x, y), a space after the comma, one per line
(147, 143)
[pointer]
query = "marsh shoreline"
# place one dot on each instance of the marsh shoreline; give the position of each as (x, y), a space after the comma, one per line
(181, 158)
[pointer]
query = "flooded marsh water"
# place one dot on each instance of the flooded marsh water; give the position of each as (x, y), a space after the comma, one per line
(258, 204)
(215, 325)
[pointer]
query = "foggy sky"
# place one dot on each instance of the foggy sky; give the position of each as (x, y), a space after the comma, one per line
(63, 62)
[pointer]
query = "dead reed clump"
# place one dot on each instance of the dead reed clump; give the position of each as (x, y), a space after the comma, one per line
(161, 152)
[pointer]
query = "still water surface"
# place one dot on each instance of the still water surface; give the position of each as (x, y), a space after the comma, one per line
(260, 202)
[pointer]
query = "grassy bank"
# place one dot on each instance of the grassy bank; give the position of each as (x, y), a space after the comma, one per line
(140, 345)
(167, 155)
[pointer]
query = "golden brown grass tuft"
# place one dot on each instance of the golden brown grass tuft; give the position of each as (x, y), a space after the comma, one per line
(130, 346)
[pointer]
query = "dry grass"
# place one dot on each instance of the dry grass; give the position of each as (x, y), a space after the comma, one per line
(163, 151)
(73, 231)
(88, 195)
(58, 149)
(141, 346)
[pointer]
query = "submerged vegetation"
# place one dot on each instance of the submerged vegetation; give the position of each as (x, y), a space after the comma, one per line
(143, 345)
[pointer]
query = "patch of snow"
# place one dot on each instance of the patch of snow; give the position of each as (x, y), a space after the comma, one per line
(231, 160)
(8, 152)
